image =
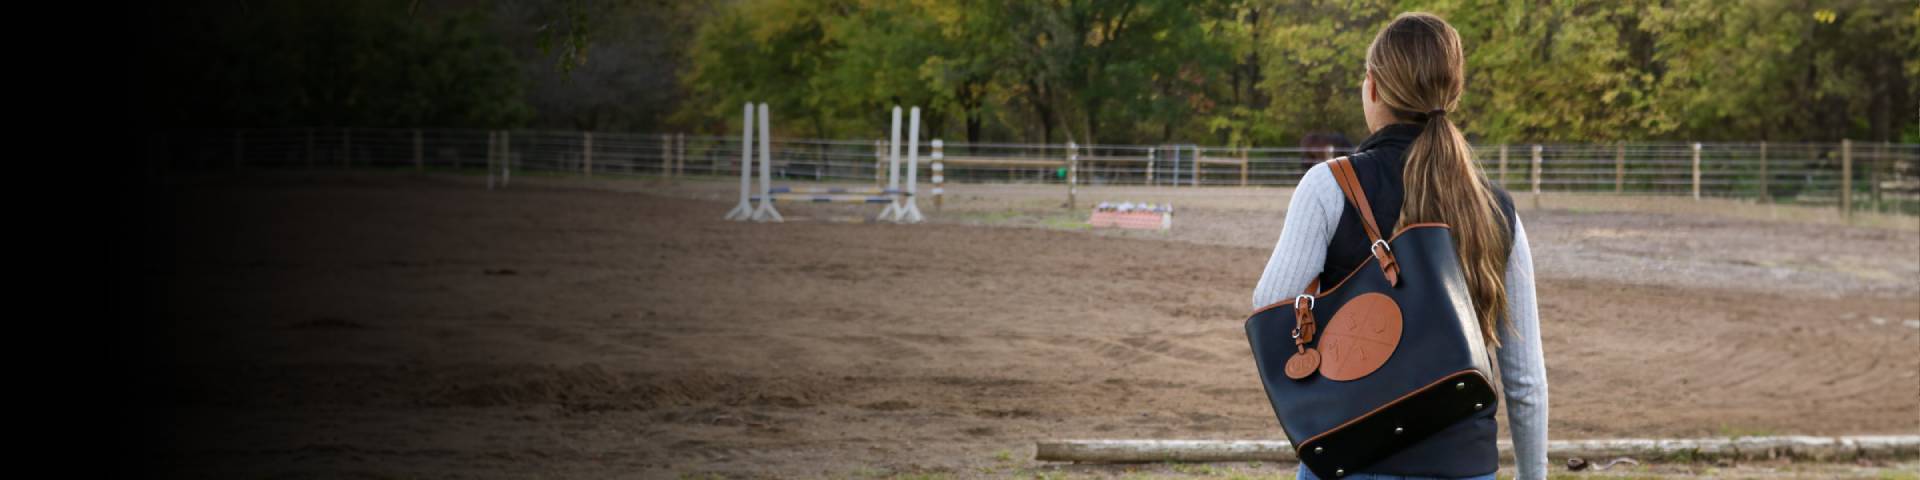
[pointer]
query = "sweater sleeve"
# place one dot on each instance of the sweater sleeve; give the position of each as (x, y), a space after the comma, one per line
(1312, 215)
(1523, 369)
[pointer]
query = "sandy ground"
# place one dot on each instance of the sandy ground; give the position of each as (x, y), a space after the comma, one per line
(406, 326)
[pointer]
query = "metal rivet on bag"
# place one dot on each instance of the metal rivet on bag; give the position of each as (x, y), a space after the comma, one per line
(1339, 472)
(1478, 406)
(1460, 386)
(1317, 450)
(1398, 430)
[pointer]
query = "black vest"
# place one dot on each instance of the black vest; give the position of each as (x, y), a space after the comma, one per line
(1467, 448)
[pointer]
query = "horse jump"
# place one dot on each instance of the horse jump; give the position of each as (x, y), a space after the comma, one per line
(901, 207)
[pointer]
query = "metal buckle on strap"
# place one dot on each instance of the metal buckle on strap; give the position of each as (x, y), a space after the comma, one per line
(1379, 244)
(1303, 328)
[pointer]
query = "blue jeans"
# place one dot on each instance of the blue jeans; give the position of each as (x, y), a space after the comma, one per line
(1305, 474)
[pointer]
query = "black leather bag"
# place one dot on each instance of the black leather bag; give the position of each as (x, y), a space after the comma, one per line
(1386, 357)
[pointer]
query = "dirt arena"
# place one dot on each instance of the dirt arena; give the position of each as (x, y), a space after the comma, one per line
(390, 325)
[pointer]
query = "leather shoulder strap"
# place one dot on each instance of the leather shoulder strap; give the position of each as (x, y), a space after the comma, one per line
(1376, 243)
(1350, 185)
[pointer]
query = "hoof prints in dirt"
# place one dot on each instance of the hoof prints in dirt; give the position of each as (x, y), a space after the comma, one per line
(1007, 413)
(591, 388)
(704, 451)
(1142, 348)
(882, 347)
(889, 406)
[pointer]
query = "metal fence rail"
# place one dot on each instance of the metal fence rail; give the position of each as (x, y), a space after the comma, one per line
(1850, 175)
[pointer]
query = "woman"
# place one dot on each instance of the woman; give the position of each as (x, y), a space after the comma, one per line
(1416, 167)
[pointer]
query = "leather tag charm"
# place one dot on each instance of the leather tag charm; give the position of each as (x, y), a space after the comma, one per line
(1360, 338)
(1307, 359)
(1303, 364)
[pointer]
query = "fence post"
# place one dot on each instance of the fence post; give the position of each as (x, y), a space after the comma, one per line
(666, 155)
(506, 157)
(1765, 178)
(239, 148)
(1151, 151)
(680, 155)
(1620, 168)
(1536, 176)
(1073, 171)
(1696, 170)
(1198, 155)
(939, 174)
(586, 153)
(419, 155)
(1873, 173)
(1503, 165)
(1243, 166)
(346, 147)
(824, 165)
(1846, 178)
(493, 141)
(1174, 170)
(879, 163)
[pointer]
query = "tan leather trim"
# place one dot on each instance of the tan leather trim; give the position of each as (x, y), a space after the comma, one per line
(1360, 338)
(1303, 364)
(1288, 302)
(1350, 186)
(1302, 447)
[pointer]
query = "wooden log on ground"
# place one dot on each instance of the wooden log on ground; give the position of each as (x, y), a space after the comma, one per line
(1649, 449)
(1143, 451)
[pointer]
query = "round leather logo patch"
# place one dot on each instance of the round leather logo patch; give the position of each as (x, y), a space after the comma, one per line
(1303, 363)
(1360, 338)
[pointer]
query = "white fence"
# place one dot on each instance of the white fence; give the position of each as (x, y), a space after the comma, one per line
(1850, 175)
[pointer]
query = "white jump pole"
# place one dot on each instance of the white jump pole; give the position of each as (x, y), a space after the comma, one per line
(744, 211)
(939, 175)
(766, 213)
(893, 210)
(911, 214)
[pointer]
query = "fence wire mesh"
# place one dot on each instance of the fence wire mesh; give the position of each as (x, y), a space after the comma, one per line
(1880, 176)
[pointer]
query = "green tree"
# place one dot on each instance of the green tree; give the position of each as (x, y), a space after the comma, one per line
(1243, 72)
(1785, 69)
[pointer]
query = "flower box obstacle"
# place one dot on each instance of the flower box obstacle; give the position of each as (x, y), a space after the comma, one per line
(1137, 216)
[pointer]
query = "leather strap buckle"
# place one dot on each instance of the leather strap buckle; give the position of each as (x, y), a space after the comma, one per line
(1303, 327)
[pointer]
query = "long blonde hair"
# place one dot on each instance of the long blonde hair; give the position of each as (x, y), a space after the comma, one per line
(1419, 71)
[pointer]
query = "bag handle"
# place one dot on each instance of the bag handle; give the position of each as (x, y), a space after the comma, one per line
(1350, 185)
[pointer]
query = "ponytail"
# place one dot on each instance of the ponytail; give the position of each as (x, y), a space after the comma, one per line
(1419, 70)
(1443, 184)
